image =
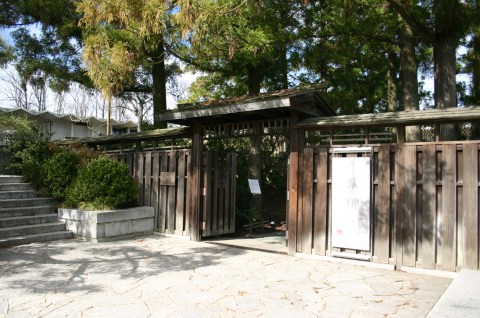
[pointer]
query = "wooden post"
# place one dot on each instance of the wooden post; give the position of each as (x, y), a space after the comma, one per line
(295, 196)
(195, 191)
(401, 134)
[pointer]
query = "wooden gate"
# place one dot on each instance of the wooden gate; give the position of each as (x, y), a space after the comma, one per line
(218, 199)
(424, 205)
(164, 183)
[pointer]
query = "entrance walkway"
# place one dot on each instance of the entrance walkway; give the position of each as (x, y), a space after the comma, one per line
(166, 277)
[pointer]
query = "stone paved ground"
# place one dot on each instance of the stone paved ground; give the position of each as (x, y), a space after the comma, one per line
(165, 277)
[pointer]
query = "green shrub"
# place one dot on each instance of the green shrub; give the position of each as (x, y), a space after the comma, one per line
(60, 171)
(102, 183)
(28, 151)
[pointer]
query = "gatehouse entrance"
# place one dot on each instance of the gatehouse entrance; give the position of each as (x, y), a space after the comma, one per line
(422, 209)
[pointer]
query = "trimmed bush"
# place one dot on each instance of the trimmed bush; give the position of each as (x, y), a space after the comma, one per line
(60, 171)
(102, 183)
(28, 151)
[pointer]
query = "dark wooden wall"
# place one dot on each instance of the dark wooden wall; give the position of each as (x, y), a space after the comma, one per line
(425, 205)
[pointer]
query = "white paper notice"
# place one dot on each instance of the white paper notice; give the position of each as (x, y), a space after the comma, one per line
(351, 203)
(254, 186)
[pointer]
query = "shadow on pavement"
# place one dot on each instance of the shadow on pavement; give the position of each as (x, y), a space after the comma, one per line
(64, 266)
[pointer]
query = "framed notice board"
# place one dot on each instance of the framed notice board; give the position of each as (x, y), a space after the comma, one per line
(351, 202)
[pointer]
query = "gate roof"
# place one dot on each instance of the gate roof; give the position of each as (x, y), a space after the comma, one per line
(270, 106)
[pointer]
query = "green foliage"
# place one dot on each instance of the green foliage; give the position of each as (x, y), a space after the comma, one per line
(50, 57)
(60, 171)
(10, 122)
(102, 184)
(6, 53)
(28, 151)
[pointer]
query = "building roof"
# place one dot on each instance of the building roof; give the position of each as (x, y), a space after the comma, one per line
(269, 106)
(149, 135)
(49, 116)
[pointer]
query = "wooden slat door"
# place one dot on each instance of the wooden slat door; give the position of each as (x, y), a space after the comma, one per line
(218, 199)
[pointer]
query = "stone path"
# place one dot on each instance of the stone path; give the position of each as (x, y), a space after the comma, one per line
(167, 277)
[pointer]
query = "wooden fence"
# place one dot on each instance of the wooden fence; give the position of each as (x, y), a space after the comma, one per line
(164, 179)
(424, 205)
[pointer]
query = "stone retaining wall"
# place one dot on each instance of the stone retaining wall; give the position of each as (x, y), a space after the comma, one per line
(108, 225)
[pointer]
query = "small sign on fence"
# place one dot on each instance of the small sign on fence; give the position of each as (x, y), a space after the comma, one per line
(254, 186)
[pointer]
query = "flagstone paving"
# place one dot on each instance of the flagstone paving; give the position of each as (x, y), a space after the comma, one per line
(166, 277)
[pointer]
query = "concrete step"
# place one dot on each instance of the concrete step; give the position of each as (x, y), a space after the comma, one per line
(26, 211)
(27, 239)
(25, 194)
(5, 178)
(29, 202)
(31, 229)
(15, 186)
(28, 220)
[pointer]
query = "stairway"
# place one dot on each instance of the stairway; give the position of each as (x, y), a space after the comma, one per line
(24, 218)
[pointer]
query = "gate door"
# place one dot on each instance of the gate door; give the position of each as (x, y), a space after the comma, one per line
(218, 193)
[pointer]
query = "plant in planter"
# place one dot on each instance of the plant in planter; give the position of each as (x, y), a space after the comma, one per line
(101, 184)
(100, 194)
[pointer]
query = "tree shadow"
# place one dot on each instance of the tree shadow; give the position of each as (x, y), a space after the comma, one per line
(60, 267)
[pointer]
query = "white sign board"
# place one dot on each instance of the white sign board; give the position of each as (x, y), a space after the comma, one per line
(351, 203)
(254, 186)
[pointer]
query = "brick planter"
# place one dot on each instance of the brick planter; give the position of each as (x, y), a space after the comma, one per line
(108, 225)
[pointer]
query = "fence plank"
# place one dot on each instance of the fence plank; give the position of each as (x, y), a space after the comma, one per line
(399, 225)
(427, 233)
(180, 194)
(307, 211)
(162, 211)
(139, 169)
(320, 203)
(207, 196)
(293, 203)
(232, 190)
(148, 179)
(155, 186)
(409, 205)
(447, 219)
(300, 215)
(171, 193)
(382, 215)
(226, 203)
(215, 208)
(187, 190)
(470, 205)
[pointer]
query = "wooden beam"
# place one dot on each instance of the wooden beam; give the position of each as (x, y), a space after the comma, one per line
(418, 117)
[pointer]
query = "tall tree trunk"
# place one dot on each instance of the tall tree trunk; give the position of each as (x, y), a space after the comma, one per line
(283, 67)
(159, 92)
(476, 69)
(409, 99)
(444, 63)
(392, 87)
(475, 65)
(254, 80)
